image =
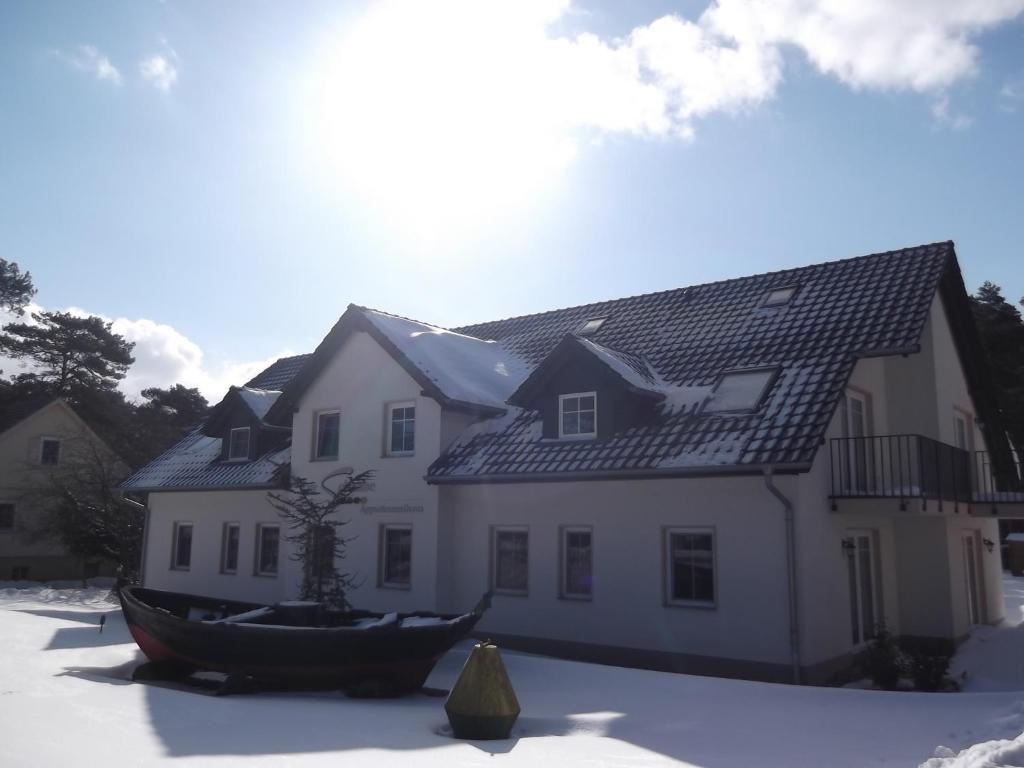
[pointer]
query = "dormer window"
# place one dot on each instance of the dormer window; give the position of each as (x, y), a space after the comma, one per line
(238, 444)
(577, 415)
(738, 391)
(592, 326)
(778, 297)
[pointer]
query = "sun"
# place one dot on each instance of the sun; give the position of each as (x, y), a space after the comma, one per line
(436, 116)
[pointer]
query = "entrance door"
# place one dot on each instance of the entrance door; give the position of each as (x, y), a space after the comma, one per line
(855, 426)
(862, 567)
(972, 582)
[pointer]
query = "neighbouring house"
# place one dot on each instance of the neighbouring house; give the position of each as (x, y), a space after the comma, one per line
(39, 436)
(741, 478)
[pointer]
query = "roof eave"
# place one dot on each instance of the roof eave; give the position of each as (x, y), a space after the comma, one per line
(621, 474)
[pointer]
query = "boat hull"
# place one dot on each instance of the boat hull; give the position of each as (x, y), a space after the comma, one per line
(400, 658)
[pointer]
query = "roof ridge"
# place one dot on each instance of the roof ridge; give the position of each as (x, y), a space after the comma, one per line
(846, 260)
(452, 331)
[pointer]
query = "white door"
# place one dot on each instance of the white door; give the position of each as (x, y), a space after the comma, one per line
(972, 581)
(863, 579)
(855, 425)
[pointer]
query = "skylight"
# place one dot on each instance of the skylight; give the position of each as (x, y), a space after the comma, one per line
(740, 390)
(592, 326)
(777, 297)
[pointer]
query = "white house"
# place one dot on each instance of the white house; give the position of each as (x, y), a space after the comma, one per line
(741, 478)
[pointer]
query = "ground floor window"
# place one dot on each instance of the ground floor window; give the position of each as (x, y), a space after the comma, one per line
(690, 566)
(19, 573)
(181, 554)
(229, 548)
(861, 567)
(268, 542)
(395, 556)
(510, 560)
(6, 516)
(577, 562)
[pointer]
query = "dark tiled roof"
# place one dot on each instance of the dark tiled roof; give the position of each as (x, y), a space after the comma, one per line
(279, 373)
(843, 310)
(194, 463)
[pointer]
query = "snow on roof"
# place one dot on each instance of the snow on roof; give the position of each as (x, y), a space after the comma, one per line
(463, 367)
(195, 462)
(258, 400)
(634, 370)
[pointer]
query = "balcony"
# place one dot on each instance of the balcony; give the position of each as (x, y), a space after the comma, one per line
(913, 471)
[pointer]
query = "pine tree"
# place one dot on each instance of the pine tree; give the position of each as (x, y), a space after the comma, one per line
(1002, 335)
(16, 289)
(308, 510)
(68, 352)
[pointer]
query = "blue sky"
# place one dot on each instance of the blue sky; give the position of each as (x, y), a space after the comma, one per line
(224, 178)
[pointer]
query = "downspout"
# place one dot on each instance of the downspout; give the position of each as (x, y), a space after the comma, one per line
(794, 609)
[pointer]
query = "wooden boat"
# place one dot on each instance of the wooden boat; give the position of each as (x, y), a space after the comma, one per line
(297, 644)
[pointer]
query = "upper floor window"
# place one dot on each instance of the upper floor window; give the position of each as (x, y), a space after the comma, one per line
(181, 553)
(577, 415)
(49, 451)
(962, 429)
(740, 390)
(401, 429)
(238, 443)
(6, 516)
(328, 430)
(855, 414)
(778, 297)
(689, 566)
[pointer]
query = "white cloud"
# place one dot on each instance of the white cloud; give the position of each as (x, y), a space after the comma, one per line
(945, 117)
(159, 71)
(163, 357)
(453, 110)
(87, 58)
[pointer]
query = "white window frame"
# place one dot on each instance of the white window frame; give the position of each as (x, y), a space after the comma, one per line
(960, 416)
(257, 571)
(317, 415)
(767, 302)
(561, 410)
(224, 548)
(14, 515)
(666, 549)
(389, 421)
(231, 443)
(592, 325)
(175, 540)
(382, 554)
(563, 548)
(60, 449)
(497, 530)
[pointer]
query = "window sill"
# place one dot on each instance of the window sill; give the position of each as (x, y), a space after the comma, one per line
(405, 455)
(577, 438)
(700, 604)
(229, 573)
(577, 598)
(390, 585)
(265, 575)
(324, 459)
(510, 592)
(180, 569)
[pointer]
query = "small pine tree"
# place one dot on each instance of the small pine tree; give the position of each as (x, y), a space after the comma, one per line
(308, 511)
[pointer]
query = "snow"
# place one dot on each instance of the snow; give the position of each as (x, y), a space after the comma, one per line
(623, 369)
(463, 367)
(66, 699)
(258, 400)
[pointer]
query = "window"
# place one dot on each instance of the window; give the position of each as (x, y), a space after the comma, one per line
(268, 539)
(181, 556)
(510, 560)
(238, 444)
(6, 516)
(402, 429)
(229, 548)
(777, 297)
(740, 390)
(328, 426)
(49, 451)
(577, 563)
(689, 567)
(321, 544)
(962, 429)
(395, 556)
(577, 415)
(591, 326)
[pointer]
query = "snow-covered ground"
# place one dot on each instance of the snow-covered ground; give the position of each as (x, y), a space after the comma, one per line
(65, 700)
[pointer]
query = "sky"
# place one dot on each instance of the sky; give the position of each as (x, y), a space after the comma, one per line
(222, 179)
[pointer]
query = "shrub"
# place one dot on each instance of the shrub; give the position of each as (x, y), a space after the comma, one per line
(884, 662)
(929, 672)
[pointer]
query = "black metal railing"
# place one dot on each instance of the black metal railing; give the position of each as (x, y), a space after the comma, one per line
(900, 467)
(997, 481)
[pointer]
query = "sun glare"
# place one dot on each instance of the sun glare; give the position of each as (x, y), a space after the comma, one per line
(434, 116)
